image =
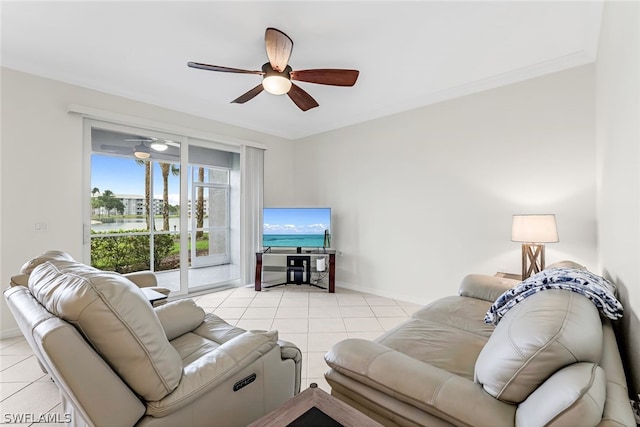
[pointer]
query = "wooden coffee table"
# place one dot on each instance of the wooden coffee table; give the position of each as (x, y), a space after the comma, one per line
(314, 407)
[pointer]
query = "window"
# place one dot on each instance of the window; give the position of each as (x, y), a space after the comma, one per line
(146, 189)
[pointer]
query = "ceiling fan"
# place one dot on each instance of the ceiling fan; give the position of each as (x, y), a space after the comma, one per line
(160, 148)
(277, 74)
(155, 143)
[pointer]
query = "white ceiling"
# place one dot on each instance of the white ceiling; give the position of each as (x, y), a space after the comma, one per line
(409, 54)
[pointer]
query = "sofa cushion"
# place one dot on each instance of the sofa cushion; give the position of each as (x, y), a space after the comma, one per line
(448, 333)
(207, 365)
(458, 312)
(115, 317)
(538, 336)
(573, 396)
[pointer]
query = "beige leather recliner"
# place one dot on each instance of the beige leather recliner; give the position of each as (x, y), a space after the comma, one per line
(119, 362)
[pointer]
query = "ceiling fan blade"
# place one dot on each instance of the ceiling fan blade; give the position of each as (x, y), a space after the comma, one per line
(222, 69)
(248, 95)
(279, 47)
(116, 148)
(302, 99)
(327, 76)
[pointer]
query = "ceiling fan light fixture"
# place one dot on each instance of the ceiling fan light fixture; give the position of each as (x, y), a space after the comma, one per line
(275, 82)
(159, 145)
(141, 152)
(276, 85)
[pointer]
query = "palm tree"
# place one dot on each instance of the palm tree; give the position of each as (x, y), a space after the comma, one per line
(147, 190)
(200, 205)
(175, 171)
(96, 203)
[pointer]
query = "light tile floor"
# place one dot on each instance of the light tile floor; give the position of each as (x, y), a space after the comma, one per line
(310, 317)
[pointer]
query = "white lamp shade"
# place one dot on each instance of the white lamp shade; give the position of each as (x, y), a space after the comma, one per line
(539, 228)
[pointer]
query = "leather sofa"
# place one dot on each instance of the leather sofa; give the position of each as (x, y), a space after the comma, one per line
(552, 360)
(119, 362)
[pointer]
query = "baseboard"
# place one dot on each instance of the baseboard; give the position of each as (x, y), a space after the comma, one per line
(416, 299)
(10, 333)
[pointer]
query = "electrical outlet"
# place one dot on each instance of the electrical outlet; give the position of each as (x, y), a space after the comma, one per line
(40, 226)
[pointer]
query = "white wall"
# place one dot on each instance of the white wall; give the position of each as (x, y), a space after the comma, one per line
(618, 140)
(41, 167)
(421, 198)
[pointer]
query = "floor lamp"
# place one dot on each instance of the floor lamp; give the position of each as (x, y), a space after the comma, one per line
(533, 231)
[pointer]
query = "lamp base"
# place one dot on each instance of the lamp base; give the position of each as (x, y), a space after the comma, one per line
(532, 259)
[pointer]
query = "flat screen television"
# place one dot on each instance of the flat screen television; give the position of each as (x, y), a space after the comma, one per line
(296, 227)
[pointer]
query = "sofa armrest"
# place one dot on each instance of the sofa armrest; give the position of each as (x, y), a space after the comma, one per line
(572, 396)
(19, 280)
(143, 279)
(148, 279)
(484, 287)
(213, 368)
(179, 317)
(291, 351)
(424, 386)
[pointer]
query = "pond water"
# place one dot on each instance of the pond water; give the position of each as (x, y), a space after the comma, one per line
(127, 224)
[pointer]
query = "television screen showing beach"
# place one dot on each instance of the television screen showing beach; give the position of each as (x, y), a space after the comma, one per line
(295, 227)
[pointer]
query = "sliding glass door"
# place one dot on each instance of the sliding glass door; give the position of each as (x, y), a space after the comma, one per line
(163, 203)
(211, 234)
(213, 214)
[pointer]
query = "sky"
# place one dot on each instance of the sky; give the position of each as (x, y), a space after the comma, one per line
(296, 220)
(125, 176)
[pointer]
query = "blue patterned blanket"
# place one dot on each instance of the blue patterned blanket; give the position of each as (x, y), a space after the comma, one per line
(597, 289)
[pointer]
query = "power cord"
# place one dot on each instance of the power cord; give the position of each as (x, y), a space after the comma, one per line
(319, 275)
